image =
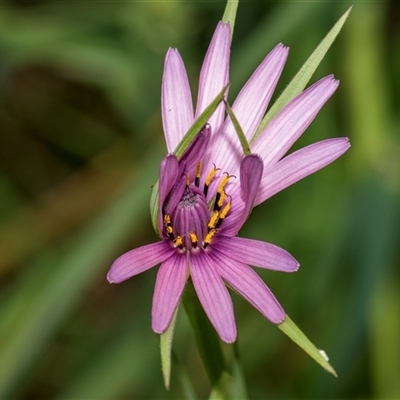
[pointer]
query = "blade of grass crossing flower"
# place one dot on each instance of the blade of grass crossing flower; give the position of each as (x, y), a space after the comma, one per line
(165, 350)
(230, 13)
(292, 330)
(206, 337)
(182, 146)
(299, 82)
(199, 123)
(239, 130)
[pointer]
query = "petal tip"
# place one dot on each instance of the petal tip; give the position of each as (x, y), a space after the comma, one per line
(228, 337)
(110, 278)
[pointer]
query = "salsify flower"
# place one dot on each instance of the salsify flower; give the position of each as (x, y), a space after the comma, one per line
(206, 195)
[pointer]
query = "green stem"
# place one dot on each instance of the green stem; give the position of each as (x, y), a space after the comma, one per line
(207, 340)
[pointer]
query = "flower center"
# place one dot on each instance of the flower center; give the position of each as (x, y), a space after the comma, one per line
(193, 223)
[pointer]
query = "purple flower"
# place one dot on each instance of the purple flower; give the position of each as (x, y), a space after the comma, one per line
(206, 196)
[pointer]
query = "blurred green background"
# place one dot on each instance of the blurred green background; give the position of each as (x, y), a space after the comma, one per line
(80, 146)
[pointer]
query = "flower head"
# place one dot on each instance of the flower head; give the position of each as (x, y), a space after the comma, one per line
(206, 195)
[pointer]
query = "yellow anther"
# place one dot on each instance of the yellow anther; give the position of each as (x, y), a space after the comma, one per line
(169, 229)
(222, 197)
(198, 169)
(223, 183)
(210, 176)
(193, 237)
(209, 237)
(225, 210)
(178, 241)
(167, 219)
(213, 220)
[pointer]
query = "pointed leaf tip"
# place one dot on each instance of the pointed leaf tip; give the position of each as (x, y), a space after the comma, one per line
(301, 79)
(293, 331)
(166, 350)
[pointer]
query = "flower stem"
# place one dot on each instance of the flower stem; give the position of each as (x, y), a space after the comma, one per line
(206, 337)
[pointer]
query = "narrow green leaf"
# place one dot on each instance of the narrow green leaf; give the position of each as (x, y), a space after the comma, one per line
(207, 340)
(199, 123)
(154, 207)
(222, 390)
(165, 350)
(182, 146)
(229, 16)
(239, 130)
(186, 384)
(299, 82)
(292, 330)
(237, 371)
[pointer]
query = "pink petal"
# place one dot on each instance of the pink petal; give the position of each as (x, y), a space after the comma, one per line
(248, 284)
(251, 169)
(169, 172)
(176, 99)
(214, 75)
(213, 296)
(279, 135)
(196, 148)
(249, 108)
(257, 253)
(298, 165)
(171, 280)
(139, 260)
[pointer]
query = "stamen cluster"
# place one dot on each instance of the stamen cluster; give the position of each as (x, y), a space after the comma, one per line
(189, 224)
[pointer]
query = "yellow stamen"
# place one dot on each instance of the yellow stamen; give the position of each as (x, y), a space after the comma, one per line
(221, 199)
(213, 220)
(225, 210)
(193, 238)
(210, 176)
(178, 242)
(198, 169)
(209, 236)
(223, 183)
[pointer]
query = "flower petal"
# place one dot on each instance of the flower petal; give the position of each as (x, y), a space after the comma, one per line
(279, 135)
(213, 296)
(249, 108)
(251, 169)
(257, 253)
(176, 99)
(214, 75)
(139, 260)
(248, 284)
(171, 279)
(196, 149)
(298, 165)
(169, 173)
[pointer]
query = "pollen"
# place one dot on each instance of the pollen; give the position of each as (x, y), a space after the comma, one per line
(208, 180)
(198, 173)
(223, 183)
(213, 220)
(178, 242)
(219, 200)
(208, 238)
(225, 210)
(193, 239)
